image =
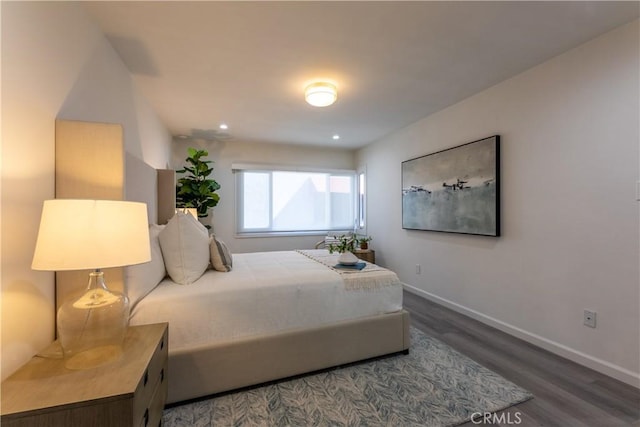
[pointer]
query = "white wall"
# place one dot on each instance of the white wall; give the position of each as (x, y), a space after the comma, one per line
(224, 153)
(570, 136)
(55, 64)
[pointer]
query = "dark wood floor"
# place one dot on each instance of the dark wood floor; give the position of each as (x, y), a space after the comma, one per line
(566, 394)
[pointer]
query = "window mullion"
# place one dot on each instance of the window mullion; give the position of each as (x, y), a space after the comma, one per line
(328, 219)
(271, 196)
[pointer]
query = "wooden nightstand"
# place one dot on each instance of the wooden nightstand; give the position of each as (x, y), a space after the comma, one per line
(128, 392)
(366, 255)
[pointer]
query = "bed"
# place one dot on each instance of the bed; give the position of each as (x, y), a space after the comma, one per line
(206, 363)
(273, 315)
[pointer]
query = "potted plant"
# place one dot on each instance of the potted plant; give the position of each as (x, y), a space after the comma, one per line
(346, 243)
(345, 247)
(363, 241)
(196, 189)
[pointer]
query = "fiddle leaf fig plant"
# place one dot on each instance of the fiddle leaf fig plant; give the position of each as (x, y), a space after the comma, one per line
(196, 189)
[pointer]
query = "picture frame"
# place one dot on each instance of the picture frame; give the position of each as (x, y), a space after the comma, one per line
(456, 190)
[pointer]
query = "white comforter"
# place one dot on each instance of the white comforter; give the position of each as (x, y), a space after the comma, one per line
(265, 292)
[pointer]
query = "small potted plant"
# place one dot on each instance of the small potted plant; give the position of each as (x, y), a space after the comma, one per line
(345, 243)
(345, 247)
(363, 242)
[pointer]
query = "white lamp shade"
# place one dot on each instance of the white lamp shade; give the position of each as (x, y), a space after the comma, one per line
(91, 234)
(321, 94)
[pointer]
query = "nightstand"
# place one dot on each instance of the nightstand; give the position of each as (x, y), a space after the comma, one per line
(366, 255)
(130, 391)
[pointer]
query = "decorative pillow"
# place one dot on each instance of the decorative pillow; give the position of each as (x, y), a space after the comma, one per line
(141, 279)
(184, 244)
(221, 259)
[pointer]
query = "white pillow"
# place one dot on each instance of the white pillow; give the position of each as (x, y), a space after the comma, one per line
(221, 259)
(185, 248)
(141, 279)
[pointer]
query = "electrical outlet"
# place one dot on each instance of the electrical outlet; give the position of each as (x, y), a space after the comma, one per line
(638, 191)
(590, 318)
(418, 268)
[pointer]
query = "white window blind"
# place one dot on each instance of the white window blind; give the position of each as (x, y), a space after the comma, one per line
(294, 201)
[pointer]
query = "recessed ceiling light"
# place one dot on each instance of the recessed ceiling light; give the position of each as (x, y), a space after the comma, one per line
(336, 136)
(224, 126)
(321, 94)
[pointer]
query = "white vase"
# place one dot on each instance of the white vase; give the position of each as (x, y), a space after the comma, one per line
(347, 258)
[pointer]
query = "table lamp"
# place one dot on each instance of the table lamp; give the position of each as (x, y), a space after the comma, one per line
(92, 234)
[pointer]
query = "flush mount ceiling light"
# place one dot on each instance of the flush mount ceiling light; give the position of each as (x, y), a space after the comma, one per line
(321, 94)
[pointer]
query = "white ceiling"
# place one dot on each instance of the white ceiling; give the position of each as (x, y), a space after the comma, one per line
(246, 63)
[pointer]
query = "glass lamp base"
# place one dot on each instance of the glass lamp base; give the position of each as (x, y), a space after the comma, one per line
(91, 328)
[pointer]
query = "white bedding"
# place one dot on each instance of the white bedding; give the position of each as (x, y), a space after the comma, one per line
(265, 292)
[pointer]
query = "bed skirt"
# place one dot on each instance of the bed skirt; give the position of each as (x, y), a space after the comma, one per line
(206, 370)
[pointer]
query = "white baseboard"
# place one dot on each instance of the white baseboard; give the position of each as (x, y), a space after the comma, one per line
(602, 366)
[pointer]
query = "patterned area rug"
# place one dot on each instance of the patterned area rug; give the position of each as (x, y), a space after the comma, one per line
(432, 386)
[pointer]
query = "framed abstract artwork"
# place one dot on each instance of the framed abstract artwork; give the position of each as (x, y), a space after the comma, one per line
(456, 190)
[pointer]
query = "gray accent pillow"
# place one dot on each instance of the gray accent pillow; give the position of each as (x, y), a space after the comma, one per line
(221, 259)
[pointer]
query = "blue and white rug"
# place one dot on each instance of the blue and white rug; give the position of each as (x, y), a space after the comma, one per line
(432, 386)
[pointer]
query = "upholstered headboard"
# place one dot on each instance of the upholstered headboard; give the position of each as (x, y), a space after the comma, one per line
(141, 185)
(79, 147)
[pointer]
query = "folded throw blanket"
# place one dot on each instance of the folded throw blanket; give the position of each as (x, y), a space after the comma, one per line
(371, 277)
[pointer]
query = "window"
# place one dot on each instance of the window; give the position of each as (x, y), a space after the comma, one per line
(280, 201)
